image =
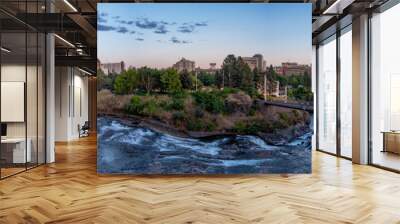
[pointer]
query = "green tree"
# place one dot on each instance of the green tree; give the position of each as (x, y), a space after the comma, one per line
(228, 67)
(170, 81)
(104, 81)
(148, 79)
(208, 79)
(271, 74)
(186, 80)
(126, 82)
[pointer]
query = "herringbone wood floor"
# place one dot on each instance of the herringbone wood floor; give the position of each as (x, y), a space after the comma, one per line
(70, 191)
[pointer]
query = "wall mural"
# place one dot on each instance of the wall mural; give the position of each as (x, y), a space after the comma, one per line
(204, 88)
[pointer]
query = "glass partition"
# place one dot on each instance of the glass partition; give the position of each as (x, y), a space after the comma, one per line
(22, 88)
(13, 110)
(346, 93)
(385, 89)
(327, 96)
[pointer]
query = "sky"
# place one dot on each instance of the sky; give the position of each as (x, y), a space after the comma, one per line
(157, 35)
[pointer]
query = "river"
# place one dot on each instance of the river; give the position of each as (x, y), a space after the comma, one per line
(133, 149)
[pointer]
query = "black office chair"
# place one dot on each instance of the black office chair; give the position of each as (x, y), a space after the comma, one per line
(84, 130)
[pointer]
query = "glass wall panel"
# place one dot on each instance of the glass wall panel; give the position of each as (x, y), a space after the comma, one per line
(327, 96)
(13, 114)
(22, 90)
(346, 93)
(31, 98)
(385, 89)
(41, 98)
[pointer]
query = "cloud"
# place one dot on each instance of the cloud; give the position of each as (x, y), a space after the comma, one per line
(122, 30)
(146, 24)
(186, 29)
(177, 41)
(132, 32)
(116, 17)
(130, 22)
(139, 39)
(201, 24)
(101, 19)
(161, 30)
(101, 27)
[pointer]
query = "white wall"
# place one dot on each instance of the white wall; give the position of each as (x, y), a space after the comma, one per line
(71, 87)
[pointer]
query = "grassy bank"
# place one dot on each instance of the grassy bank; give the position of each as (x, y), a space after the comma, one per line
(228, 110)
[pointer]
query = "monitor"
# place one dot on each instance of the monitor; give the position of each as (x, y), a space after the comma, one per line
(3, 129)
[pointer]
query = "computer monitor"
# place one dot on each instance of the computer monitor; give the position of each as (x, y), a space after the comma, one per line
(3, 129)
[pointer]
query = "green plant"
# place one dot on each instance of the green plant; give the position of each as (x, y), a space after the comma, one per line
(135, 106)
(210, 101)
(150, 108)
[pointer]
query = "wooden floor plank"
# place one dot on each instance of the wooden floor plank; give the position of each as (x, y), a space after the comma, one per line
(70, 191)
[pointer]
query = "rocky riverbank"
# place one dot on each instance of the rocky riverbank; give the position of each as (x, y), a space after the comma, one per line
(278, 137)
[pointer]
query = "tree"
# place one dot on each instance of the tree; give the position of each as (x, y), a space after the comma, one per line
(170, 81)
(257, 78)
(186, 80)
(228, 67)
(149, 79)
(104, 81)
(208, 79)
(126, 82)
(271, 74)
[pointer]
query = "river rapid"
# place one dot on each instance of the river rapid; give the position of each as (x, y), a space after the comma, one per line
(131, 149)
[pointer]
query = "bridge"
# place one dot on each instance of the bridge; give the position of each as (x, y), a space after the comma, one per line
(299, 106)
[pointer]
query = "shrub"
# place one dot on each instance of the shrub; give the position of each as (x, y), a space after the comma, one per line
(178, 117)
(198, 112)
(135, 106)
(210, 101)
(150, 108)
(195, 124)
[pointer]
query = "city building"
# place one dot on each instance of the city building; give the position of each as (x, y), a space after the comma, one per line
(53, 179)
(256, 61)
(211, 70)
(292, 68)
(113, 68)
(184, 65)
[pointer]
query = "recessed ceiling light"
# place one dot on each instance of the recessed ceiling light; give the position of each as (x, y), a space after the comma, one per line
(86, 72)
(70, 5)
(64, 40)
(5, 50)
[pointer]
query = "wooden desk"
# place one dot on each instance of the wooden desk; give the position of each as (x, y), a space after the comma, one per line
(391, 141)
(17, 148)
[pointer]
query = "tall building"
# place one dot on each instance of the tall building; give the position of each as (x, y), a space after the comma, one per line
(257, 61)
(184, 64)
(113, 68)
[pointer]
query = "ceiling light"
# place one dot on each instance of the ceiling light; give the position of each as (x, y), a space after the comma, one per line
(65, 41)
(70, 5)
(86, 72)
(5, 50)
(338, 6)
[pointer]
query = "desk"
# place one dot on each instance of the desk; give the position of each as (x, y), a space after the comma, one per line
(391, 141)
(18, 150)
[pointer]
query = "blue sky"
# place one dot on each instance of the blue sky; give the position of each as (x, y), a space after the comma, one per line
(158, 35)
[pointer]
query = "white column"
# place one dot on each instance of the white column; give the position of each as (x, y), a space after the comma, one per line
(50, 98)
(360, 90)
